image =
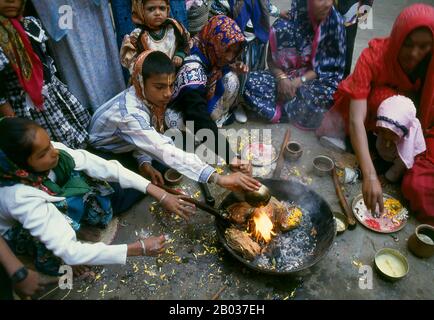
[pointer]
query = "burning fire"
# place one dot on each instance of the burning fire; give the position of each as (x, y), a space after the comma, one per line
(262, 226)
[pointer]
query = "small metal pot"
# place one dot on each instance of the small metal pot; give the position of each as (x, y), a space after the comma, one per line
(322, 165)
(172, 177)
(341, 222)
(293, 151)
(258, 198)
(421, 242)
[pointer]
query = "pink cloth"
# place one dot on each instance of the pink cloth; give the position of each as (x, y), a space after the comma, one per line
(399, 111)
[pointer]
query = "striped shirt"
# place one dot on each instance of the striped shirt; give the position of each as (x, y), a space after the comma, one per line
(123, 124)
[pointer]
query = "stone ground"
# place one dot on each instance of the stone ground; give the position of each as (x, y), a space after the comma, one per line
(196, 266)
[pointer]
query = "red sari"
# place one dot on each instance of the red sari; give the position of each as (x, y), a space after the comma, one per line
(378, 76)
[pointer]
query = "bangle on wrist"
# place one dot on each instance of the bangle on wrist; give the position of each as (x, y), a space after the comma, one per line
(142, 244)
(372, 177)
(162, 198)
(281, 77)
(19, 275)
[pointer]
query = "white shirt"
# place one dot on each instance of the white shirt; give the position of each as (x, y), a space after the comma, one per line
(34, 209)
(123, 125)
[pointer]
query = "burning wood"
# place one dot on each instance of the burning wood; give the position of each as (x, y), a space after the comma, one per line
(262, 224)
(240, 212)
(240, 241)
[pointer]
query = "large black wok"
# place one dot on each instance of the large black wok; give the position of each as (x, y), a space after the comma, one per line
(297, 249)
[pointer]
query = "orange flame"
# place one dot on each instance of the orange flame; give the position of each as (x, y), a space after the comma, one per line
(262, 226)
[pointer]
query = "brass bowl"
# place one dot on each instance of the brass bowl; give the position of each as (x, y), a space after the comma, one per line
(421, 242)
(258, 198)
(341, 222)
(391, 264)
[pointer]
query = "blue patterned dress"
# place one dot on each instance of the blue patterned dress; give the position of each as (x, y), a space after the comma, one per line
(297, 46)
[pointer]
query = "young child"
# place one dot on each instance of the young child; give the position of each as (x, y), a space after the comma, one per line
(134, 121)
(399, 135)
(29, 87)
(50, 191)
(155, 31)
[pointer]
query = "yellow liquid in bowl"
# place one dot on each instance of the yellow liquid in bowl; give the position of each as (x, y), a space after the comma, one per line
(391, 265)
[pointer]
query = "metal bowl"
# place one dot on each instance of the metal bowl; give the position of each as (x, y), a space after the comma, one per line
(293, 151)
(258, 198)
(322, 165)
(341, 222)
(391, 264)
(172, 177)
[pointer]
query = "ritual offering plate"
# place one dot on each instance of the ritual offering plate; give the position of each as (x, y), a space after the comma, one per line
(392, 220)
(260, 154)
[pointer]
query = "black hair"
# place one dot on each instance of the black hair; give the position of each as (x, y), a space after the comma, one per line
(157, 62)
(16, 139)
(167, 2)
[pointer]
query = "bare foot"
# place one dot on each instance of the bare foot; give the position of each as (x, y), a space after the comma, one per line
(89, 233)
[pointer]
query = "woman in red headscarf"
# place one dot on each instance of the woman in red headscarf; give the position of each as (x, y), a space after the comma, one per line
(400, 64)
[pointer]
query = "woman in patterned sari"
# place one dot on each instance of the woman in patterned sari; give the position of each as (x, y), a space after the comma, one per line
(306, 60)
(207, 84)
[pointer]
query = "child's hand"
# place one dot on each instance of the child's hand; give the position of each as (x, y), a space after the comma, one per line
(179, 206)
(239, 68)
(154, 245)
(146, 170)
(177, 61)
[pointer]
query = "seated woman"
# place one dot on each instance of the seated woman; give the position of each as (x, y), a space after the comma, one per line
(306, 59)
(400, 64)
(253, 18)
(29, 87)
(206, 86)
(50, 191)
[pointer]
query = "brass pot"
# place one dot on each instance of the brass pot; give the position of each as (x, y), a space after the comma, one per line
(421, 242)
(258, 198)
